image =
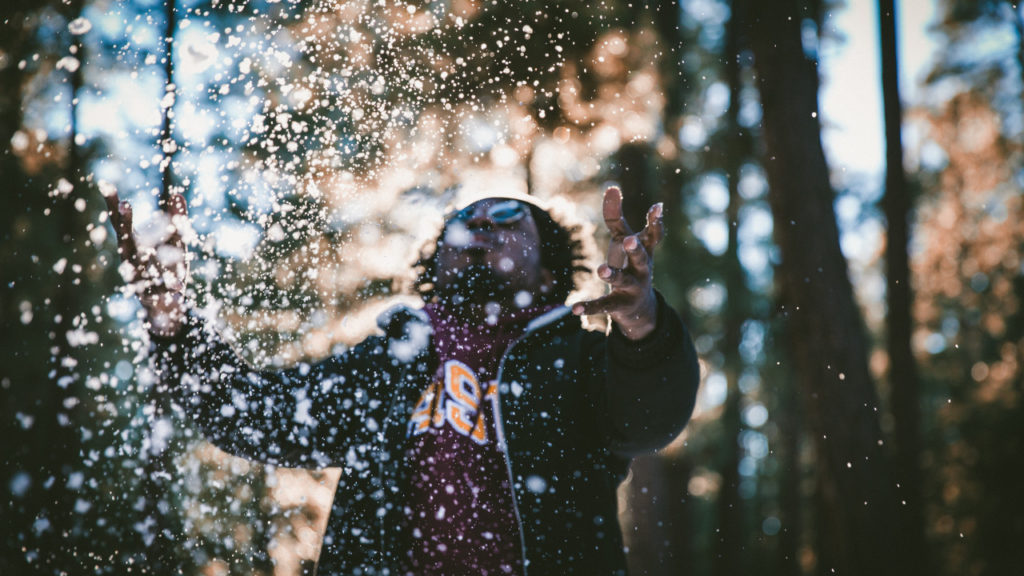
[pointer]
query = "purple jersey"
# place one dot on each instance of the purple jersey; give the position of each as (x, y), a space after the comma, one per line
(461, 511)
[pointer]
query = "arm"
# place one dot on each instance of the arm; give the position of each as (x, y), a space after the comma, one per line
(649, 387)
(307, 416)
(649, 374)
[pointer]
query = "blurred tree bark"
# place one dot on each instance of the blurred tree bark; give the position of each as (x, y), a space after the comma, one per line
(860, 520)
(660, 533)
(62, 436)
(168, 144)
(903, 377)
(164, 555)
(730, 550)
(791, 474)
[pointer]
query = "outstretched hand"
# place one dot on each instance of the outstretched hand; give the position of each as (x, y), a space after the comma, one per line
(629, 271)
(157, 274)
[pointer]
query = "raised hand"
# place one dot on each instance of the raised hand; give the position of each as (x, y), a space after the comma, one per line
(158, 273)
(629, 271)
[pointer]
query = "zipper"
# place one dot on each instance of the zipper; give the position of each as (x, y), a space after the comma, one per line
(532, 327)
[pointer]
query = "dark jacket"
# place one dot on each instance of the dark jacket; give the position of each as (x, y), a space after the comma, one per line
(575, 406)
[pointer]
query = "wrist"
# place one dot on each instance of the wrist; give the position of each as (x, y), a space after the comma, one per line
(641, 323)
(638, 332)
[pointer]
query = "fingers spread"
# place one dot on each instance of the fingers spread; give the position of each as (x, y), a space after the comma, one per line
(610, 275)
(639, 259)
(612, 211)
(628, 270)
(654, 231)
(616, 254)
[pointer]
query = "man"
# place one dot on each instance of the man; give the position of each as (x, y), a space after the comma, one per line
(484, 433)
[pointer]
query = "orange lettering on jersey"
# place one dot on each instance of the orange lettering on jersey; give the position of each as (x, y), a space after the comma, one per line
(479, 434)
(461, 384)
(459, 417)
(420, 419)
(457, 401)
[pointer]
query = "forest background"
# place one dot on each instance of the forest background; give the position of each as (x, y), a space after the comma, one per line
(852, 272)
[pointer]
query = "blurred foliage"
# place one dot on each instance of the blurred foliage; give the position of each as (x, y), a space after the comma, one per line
(969, 288)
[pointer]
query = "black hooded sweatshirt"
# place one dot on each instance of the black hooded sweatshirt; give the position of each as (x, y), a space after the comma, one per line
(574, 406)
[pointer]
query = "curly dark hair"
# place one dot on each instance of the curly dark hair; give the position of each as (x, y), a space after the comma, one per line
(562, 252)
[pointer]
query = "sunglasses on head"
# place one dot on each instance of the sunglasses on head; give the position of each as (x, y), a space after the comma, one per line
(504, 213)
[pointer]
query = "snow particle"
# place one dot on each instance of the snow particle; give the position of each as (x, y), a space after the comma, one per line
(536, 484)
(79, 26)
(19, 484)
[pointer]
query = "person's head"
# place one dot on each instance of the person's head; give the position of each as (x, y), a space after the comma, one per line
(501, 249)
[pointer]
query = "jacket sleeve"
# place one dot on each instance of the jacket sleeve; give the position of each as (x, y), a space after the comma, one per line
(649, 386)
(309, 416)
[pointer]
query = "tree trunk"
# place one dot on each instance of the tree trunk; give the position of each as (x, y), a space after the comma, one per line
(66, 300)
(167, 143)
(62, 444)
(827, 343)
(904, 388)
(791, 474)
(666, 20)
(158, 477)
(730, 543)
(659, 527)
